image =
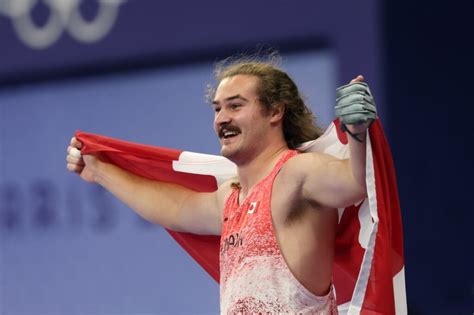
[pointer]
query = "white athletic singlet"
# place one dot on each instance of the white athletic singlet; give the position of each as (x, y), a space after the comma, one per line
(254, 277)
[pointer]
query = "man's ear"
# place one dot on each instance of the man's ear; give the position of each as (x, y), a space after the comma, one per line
(277, 112)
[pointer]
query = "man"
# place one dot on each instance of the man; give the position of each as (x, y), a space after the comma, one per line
(278, 218)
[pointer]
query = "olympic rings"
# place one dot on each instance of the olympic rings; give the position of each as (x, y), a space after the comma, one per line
(64, 16)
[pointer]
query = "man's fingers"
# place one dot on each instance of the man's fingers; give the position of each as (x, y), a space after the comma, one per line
(75, 160)
(354, 103)
(359, 78)
(76, 143)
(75, 152)
(74, 167)
(69, 148)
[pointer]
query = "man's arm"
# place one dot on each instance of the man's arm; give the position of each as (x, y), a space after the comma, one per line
(324, 180)
(355, 108)
(331, 182)
(173, 206)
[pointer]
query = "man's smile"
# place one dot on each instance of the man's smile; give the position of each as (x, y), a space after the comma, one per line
(228, 132)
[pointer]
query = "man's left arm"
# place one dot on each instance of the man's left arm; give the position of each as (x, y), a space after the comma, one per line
(356, 110)
(331, 182)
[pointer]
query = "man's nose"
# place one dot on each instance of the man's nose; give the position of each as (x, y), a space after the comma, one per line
(222, 117)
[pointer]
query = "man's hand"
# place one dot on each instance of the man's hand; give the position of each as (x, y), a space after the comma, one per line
(82, 165)
(355, 106)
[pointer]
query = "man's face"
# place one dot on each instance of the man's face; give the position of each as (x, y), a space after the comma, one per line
(239, 121)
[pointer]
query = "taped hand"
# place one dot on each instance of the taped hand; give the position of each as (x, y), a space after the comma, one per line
(355, 104)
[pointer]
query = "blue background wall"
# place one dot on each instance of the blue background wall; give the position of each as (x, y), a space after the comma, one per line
(69, 248)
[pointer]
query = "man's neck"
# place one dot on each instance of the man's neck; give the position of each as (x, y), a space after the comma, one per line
(251, 173)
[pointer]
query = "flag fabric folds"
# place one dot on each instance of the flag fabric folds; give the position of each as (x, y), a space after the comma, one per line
(368, 271)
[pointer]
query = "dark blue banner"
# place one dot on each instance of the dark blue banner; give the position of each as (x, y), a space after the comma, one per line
(42, 38)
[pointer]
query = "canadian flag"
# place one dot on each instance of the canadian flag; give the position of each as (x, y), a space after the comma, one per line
(368, 271)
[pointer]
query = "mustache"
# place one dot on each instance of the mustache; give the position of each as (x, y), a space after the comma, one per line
(227, 127)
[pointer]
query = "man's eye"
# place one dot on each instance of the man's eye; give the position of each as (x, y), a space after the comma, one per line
(235, 106)
(217, 109)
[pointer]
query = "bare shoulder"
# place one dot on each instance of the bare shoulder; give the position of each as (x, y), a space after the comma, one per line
(322, 179)
(303, 164)
(308, 176)
(294, 172)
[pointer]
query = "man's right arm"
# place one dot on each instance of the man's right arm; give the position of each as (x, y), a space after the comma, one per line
(173, 206)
